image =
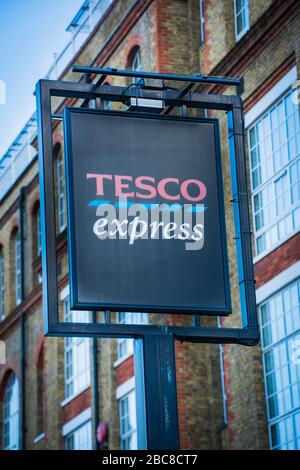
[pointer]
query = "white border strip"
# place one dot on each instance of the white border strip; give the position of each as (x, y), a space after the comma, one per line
(74, 423)
(125, 388)
(278, 282)
(265, 102)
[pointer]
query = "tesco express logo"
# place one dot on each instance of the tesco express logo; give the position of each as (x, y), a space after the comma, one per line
(130, 220)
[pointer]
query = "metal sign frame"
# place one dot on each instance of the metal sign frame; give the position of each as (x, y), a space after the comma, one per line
(232, 105)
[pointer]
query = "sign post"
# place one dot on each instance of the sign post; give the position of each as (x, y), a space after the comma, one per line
(146, 224)
(156, 397)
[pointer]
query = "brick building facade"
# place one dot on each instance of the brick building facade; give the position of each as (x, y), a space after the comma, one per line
(229, 397)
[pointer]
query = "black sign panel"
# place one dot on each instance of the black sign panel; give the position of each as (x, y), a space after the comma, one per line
(146, 228)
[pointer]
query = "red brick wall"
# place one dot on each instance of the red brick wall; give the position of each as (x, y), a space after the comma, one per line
(277, 261)
(125, 371)
(76, 406)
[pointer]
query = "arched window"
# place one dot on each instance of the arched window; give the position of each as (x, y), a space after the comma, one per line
(2, 286)
(15, 266)
(60, 193)
(59, 183)
(18, 271)
(11, 415)
(136, 62)
(36, 232)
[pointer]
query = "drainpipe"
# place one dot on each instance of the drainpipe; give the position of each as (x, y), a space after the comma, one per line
(95, 391)
(22, 323)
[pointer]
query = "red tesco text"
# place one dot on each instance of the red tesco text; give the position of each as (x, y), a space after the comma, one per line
(168, 188)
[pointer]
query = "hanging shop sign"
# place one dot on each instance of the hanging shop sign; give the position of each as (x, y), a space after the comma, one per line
(146, 219)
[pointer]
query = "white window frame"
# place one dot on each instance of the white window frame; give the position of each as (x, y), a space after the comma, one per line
(18, 270)
(278, 282)
(38, 232)
(77, 434)
(244, 8)
(129, 318)
(270, 97)
(73, 385)
(11, 415)
(276, 288)
(2, 286)
(126, 391)
(61, 203)
(252, 117)
(77, 424)
(137, 64)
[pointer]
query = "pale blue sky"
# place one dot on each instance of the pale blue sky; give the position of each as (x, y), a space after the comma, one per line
(30, 32)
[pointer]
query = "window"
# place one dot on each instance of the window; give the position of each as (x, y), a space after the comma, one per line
(18, 272)
(125, 346)
(77, 355)
(280, 327)
(202, 21)
(11, 417)
(241, 18)
(38, 233)
(274, 149)
(137, 64)
(2, 286)
(127, 412)
(60, 193)
(106, 105)
(36, 243)
(80, 438)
